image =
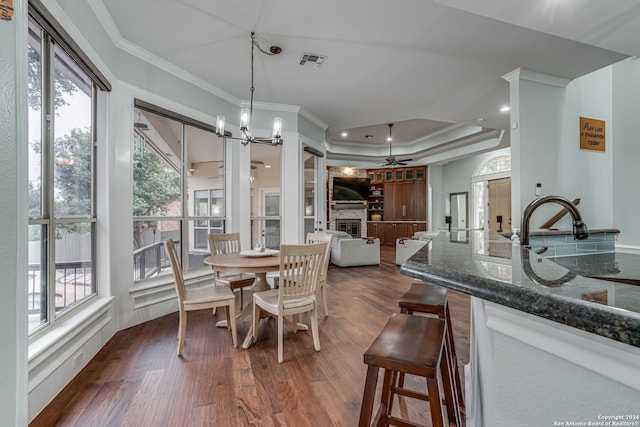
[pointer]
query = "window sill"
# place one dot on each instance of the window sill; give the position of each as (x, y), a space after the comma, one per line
(64, 330)
(54, 344)
(161, 289)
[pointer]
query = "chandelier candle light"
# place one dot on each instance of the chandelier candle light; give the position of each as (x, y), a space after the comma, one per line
(247, 113)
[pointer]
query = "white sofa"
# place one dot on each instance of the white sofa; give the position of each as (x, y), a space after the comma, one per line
(349, 252)
(405, 248)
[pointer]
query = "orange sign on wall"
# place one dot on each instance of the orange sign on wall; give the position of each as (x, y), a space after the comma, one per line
(6, 9)
(592, 134)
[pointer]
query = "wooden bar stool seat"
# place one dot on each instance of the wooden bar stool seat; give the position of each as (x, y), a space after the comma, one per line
(407, 344)
(426, 298)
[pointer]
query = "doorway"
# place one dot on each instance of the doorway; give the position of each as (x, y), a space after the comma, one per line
(491, 193)
(500, 204)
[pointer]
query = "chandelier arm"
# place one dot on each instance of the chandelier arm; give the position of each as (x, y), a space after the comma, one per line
(245, 124)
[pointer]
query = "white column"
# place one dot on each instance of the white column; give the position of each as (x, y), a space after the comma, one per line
(13, 224)
(536, 116)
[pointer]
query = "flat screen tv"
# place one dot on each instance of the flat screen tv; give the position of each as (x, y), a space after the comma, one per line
(349, 188)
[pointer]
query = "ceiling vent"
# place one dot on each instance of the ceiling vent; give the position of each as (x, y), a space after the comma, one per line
(312, 60)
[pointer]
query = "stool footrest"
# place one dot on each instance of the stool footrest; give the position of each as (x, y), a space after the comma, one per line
(411, 393)
(402, 423)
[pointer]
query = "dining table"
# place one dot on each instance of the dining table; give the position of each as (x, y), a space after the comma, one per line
(256, 262)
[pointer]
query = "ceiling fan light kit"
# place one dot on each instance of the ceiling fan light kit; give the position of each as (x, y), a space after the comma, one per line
(246, 113)
(391, 160)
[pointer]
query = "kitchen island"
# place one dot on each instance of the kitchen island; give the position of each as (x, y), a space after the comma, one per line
(548, 346)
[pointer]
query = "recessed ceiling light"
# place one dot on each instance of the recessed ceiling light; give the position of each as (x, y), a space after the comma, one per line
(480, 120)
(267, 166)
(505, 108)
(344, 134)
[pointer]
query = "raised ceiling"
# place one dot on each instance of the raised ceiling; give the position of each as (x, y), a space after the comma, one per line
(433, 68)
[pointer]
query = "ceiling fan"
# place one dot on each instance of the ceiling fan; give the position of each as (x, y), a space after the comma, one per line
(392, 160)
(253, 164)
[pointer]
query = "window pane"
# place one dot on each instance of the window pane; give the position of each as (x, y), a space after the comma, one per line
(156, 166)
(72, 157)
(37, 277)
(35, 122)
(200, 248)
(149, 258)
(265, 195)
(73, 264)
(217, 203)
(205, 161)
(309, 201)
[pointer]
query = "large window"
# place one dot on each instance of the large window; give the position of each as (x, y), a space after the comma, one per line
(178, 189)
(61, 173)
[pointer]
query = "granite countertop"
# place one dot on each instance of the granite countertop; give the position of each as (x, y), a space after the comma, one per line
(486, 265)
(617, 267)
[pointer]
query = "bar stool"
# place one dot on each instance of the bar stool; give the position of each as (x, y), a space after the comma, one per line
(407, 344)
(431, 299)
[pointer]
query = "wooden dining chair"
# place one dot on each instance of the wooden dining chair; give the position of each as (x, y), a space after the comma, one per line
(322, 283)
(300, 267)
(229, 243)
(199, 298)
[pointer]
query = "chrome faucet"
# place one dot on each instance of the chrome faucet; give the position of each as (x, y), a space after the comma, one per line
(580, 231)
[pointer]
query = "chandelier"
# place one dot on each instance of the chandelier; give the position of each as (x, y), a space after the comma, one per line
(246, 114)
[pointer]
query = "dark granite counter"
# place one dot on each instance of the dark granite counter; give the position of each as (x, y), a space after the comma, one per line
(617, 267)
(488, 266)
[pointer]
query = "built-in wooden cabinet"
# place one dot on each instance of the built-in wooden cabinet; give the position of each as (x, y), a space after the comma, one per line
(388, 231)
(399, 195)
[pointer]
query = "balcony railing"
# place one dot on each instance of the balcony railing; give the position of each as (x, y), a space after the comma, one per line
(150, 260)
(74, 282)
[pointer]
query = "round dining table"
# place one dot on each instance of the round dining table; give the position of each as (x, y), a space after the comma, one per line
(238, 263)
(248, 262)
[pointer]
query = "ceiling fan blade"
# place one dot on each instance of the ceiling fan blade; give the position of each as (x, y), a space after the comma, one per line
(402, 164)
(257, 162)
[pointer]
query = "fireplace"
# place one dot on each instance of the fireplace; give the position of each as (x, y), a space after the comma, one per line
(350, 225)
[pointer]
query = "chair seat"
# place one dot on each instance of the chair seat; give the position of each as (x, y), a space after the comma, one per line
(207, 294)
(236, 281)
(269, 301)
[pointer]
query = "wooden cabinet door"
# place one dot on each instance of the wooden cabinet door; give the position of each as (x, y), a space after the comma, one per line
(389, 202)
(403, 201)
(389, 237)
(419, 201)
(420, 226)
(404, 230)
(375, 230)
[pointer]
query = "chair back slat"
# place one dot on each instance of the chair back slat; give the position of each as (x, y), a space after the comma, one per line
(300, 267)
(227, 243)
(172, 253)
(322, 238)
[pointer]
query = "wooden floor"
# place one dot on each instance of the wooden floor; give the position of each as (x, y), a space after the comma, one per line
(137, 379)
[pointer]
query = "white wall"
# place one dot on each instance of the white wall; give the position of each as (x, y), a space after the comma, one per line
(545, 145)
(13, 226)
(587, 174)
(626, 152)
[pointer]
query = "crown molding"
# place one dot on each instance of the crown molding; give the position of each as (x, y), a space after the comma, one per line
(534, 76)
(121, 43)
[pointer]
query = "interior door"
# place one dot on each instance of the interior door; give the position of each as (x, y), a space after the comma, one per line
(500, 203)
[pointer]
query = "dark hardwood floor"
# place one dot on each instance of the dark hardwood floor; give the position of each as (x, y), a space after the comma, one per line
(137, 380)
